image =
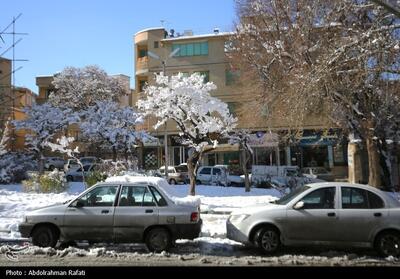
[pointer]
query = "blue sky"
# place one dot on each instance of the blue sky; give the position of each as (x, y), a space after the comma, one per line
(84, 32)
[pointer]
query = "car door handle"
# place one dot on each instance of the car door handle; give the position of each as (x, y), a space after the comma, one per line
(331, 214)
(149, 211)
(105, 211)
(378, 214)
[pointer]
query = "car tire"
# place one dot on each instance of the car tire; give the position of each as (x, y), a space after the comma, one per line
(388, 244)
(51, 168)
(158, 240)
(44, 236)
(70, 178)
(198, 182)
(267, 239)
(172, 182)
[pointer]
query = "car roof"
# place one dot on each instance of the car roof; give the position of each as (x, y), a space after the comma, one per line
(343, 184)
(127, 179)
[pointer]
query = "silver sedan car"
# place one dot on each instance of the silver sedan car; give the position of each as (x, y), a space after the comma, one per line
(335, 214)
(135, 211)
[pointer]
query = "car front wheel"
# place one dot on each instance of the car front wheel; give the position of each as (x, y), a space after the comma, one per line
(268, 240)
(44, 236)
(388, 244)
(158, 240)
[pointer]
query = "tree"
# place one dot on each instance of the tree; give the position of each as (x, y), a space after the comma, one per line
(201, 119)
(330, 57)
(80, 88)
(42, 123)
(112, 127)
(242, 137)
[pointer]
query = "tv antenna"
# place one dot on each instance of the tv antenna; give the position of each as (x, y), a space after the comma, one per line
(8, 95)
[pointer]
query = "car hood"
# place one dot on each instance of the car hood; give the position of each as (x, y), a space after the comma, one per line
(257, 208)
(51, 209)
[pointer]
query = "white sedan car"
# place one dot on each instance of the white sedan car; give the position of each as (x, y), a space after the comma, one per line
(331, 213)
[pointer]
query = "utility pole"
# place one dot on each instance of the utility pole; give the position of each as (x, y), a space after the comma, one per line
(164, 71)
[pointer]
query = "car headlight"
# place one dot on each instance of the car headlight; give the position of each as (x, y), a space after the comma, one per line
(238, 218)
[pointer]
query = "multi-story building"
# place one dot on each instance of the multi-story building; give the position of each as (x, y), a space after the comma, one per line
(12, 102)
(206, 54)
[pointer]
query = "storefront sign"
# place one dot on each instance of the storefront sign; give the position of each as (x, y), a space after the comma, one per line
(261, 139)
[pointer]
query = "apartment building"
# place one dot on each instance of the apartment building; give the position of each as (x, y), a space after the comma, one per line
(206, 54)
(13, 100)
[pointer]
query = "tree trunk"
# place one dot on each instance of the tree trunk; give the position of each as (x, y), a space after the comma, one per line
(192, 171)
(245, 160)
(114, 151)
(374, 168)
(41, 164)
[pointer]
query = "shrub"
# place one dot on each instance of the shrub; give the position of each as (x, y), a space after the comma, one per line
(94, 177)
(53, 182)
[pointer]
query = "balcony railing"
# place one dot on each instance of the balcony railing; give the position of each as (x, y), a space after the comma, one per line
(142, 63)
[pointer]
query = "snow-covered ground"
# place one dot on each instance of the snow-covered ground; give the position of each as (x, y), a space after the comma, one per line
(14, 203)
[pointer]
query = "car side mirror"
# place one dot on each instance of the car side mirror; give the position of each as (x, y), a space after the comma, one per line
(79, 204)
(299, 205)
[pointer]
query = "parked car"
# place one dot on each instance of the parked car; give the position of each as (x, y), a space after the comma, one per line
(330, 213)
(75, 173)
(318, 172)
(218, 175)
(52, 163)
(124, 212)
(72, 163)
(176, 174)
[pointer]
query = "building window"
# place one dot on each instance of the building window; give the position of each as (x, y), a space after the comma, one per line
(191, 49)
(232, 108)
(156, 44)
(142, 53)
(231, 77)
(142, 84)
(205, 74)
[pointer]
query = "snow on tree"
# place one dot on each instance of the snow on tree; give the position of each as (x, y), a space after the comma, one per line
(80, 88)
(43, 123)
(201, 118)
(332, 58)
(112, 127)
(63, 145)
(242, 137)
(5, 138)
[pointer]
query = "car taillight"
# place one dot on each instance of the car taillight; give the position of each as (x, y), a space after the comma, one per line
(194, 217)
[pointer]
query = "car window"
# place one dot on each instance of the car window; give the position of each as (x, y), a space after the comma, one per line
(286, 199)
(353, 198)
(216, 171)
(375, 201)
(320, 199)
(181, 169)
(136, 196)
(319, 171)
(100, 196)
(205, 171)
(159, 198)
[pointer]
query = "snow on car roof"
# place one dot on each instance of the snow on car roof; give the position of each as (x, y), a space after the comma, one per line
(134, 179)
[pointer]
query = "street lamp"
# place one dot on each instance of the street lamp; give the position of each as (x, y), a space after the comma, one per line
(163, 62)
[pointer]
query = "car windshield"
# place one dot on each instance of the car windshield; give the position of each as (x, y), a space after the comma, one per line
(181, 169)
(286, 199)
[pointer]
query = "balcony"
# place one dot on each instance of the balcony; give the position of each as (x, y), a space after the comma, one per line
(142, 64)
